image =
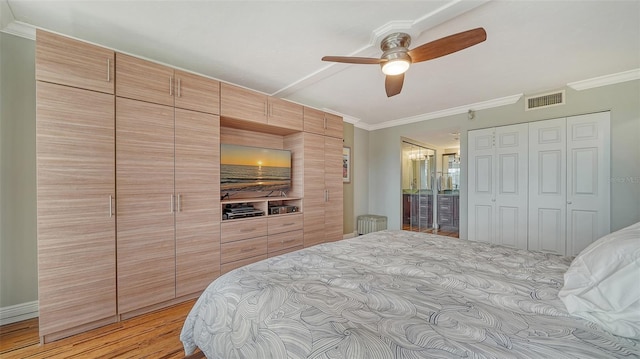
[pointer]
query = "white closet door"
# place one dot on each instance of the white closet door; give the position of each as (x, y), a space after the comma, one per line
(547, 186)
(481, 185)
(511, 143)
(588, 164)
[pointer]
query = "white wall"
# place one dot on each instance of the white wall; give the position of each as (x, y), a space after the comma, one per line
(623, 100)
(18, 250)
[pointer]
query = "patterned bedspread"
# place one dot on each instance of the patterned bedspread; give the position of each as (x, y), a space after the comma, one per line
(396, 294)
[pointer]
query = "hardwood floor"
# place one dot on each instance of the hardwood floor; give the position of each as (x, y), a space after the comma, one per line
(155, 335)
(441, 232)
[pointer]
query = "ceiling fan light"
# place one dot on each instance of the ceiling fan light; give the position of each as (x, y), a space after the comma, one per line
(395, 67)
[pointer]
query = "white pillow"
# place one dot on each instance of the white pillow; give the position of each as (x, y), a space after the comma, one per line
(602, 284)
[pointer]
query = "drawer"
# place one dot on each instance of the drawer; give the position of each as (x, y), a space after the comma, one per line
(284, 223)
(285, 240)
(445, 208)
(286, 250)
(234, 251)
(243, 229)
(227, 267)
(445, 200)
(446, 220)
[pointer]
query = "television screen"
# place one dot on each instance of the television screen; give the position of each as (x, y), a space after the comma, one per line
(255, 169)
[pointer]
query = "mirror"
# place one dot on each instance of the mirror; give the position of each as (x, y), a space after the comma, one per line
(450, 173)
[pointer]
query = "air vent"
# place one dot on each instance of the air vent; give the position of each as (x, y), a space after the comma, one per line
(544, 100)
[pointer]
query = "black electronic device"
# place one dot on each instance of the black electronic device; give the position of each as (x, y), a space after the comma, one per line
(282, 209)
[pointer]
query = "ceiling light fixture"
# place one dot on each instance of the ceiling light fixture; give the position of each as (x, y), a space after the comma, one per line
(395, 53)
(395, 66)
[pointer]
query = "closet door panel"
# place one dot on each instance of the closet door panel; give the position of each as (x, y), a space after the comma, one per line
(76, 228)
(197, 175)
(145, 203)
(333, 183)
(588, 198)
(511, 150)
(481, 201)
(547, 186)
(314, 190)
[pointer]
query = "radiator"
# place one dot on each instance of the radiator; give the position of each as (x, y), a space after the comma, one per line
(368, 223)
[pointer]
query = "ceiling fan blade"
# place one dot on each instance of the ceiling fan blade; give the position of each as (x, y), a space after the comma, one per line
(353, 60)
(393, 84)
(448, 45)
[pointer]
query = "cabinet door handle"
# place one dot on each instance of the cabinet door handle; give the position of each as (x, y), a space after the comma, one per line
(110, 206)
(172, 203)
(324, 124)
(170, 85)
(179, 90)
(108, 70)
(179, 200)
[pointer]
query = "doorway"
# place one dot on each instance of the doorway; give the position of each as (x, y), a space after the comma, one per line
(418, 180)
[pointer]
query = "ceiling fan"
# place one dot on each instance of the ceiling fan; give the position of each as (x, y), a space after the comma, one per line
(396, 57)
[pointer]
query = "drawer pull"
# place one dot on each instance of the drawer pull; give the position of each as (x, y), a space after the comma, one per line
(288, 224)
(248, 249)
(287, 241)
(249, 229)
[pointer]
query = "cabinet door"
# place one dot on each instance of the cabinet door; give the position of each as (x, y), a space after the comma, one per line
(144, 80)
(243, 104)
(285, 114)
(197, 93)
(333, 126)
(145, 204)
(314, 190)
(313, 121)
(333, 183)
(547, 186)
(197, 175)
(74, 63)
(588, 186)
(76, 228)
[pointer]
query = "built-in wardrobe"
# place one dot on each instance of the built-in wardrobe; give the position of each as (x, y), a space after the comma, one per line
(541, 185)
(129, 210)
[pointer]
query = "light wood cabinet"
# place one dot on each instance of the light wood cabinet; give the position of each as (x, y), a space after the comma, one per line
(168, 202)
(197, 188)
(74, 63)
(322, 123)
(243, 104)
(197, 93)
(323, 214)
(333, 184)
(147, 81)
(75, 153)
(145, 177)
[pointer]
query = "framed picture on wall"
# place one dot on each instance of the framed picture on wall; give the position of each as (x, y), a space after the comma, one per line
(346, 164)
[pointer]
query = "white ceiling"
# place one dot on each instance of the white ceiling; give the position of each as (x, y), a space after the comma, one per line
(275, 46)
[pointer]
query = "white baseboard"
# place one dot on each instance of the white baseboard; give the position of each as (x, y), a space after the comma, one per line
(350, 235)
(18, 312)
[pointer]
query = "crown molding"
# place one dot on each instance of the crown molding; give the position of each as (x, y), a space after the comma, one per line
(503, 101)
(21, 29)
(606, 80)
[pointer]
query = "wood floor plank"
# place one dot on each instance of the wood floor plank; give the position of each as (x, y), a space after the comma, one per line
(155, 336)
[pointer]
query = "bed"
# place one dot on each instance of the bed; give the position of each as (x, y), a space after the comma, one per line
(398, 294)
